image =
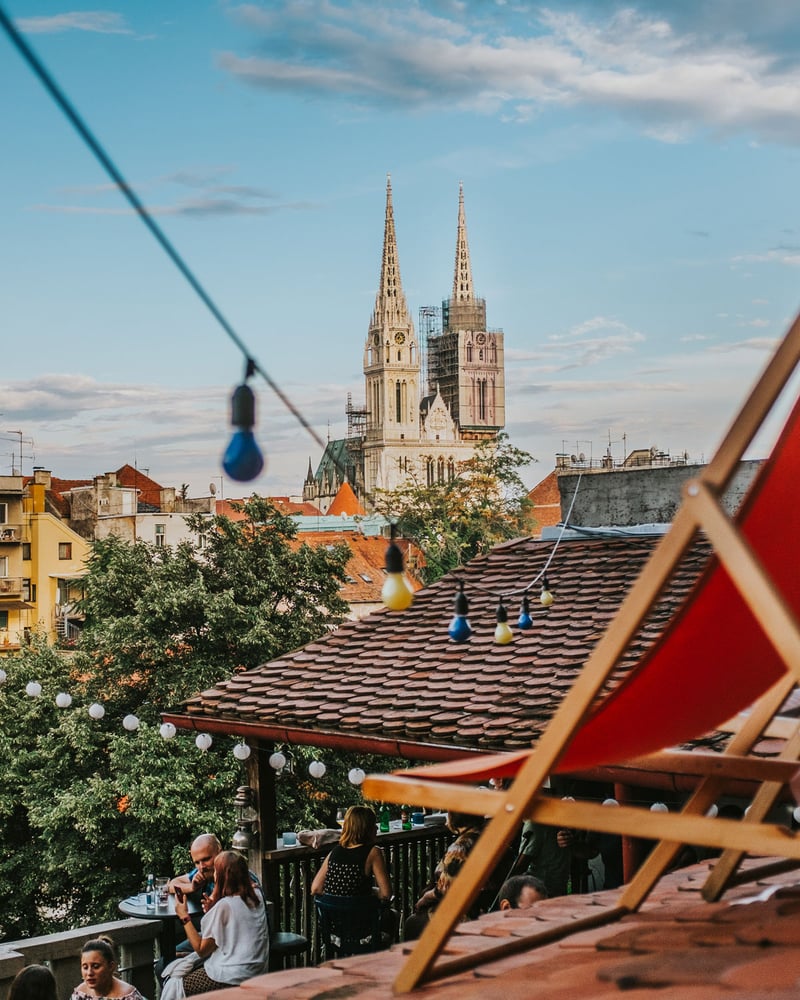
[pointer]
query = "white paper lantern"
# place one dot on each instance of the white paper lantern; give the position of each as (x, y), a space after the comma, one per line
(659, 807)
(63, 700)
(241, 751)
(2, 676)
(33, 689)
(167, 731)
(131, 723)
(203, 741)
(316, 769)
(356, 776)
(610, 802)
(277, 761)
(96, 711)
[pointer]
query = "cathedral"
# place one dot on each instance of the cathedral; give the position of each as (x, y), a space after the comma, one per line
(430, 397)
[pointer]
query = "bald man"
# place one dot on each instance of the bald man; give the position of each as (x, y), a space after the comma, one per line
(520, 892)
(200, 880)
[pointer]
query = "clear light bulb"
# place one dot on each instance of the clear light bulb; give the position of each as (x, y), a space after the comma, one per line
(243, 460)
(395, 592)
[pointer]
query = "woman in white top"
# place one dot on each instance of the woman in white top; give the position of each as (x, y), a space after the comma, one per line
(233, 938)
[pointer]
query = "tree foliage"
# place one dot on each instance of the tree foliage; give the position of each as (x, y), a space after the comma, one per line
(457, 519)
(86, 807)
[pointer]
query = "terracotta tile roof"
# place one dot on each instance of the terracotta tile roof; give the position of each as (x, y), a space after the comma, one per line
(746, 947)
(346, 502)
(398, 679)
(546, 500)
(133, 478)
(287, 506)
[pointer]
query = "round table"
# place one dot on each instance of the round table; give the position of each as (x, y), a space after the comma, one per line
(135, 906)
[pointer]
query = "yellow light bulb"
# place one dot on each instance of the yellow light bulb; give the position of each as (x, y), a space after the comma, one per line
(503, 634)
(396, 593)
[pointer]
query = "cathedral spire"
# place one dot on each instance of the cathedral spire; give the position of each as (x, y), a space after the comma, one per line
(462, 279)
(391, 309)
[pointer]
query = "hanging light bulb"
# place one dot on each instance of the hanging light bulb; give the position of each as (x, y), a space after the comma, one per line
(277, 761)
(131, 723)
(713, 810)
(167, 731)
(243, 460)
(316, 769)
(460, 629)
(610, 802)
(241, 751)
(356, 776)
(545, 598)
(525, 621)
(33, 689)
(395, 593)
(96, 711)
(659, 807)
(63, 700)
(502, 633)
(203, 741)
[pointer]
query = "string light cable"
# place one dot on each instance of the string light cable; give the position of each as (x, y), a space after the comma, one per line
(100, 154)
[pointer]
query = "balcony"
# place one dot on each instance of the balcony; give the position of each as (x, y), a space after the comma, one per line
(10, 534)
(10, 586)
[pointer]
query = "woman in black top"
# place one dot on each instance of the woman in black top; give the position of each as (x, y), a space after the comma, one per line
(355, 862)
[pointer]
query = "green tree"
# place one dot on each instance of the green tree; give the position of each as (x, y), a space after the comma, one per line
(86, 807)
(455, 520)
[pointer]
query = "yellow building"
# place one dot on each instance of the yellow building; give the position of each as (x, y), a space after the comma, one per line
(42, 563)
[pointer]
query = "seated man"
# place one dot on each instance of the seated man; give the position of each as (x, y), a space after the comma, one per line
(199, 882)
(520, 892)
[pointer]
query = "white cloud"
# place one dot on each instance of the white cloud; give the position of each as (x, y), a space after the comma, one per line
(101, 22)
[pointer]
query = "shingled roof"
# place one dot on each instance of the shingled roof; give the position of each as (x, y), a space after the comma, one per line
(395, 683)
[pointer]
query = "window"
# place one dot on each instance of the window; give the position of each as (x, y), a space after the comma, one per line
(26, 589)
(3, 619)
(3, 513)
(26, 550)
(3, 565)
(161, 535)
(65, 550)
(398, 403)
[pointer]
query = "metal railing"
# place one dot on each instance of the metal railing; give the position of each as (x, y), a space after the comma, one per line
(411, 856)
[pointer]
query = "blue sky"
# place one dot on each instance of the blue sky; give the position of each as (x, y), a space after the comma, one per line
(630, 176)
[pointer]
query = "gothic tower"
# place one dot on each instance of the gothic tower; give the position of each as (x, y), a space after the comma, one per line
(467, 360)
(391, 372)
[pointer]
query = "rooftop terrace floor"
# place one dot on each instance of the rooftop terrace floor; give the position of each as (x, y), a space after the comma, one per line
(677, 947)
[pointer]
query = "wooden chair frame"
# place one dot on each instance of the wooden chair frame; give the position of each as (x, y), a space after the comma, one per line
(701, 510)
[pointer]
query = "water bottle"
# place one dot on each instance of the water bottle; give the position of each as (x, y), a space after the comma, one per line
(150, 893)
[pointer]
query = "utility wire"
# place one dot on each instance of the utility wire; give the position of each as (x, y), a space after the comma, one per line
(108, 165)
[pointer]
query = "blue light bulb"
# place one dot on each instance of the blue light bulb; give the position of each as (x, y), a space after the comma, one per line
(460, 629)
(525, 621)
(243, 460)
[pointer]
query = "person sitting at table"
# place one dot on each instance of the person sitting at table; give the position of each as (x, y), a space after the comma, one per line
(34, 982)
(233, 941)
(199, 882)
(353, 864)
(356, 866)
(98, 968)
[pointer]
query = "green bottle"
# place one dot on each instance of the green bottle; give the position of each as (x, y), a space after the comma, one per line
(383, 819)
(405, 817)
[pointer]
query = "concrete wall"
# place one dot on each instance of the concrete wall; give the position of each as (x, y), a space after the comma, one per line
(625, 497)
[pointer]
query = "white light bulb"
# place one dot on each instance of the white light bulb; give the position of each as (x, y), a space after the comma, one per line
(796, 814)
(277, 761)
(241, 751)
(2, 676)
(96, 711)
(316, 769)
(356, 776)
(610, 802)
(167, 731)
(712, 810)
(63, 700)
(659, 807)
(203, 741)
(33, 689)
(131, 723)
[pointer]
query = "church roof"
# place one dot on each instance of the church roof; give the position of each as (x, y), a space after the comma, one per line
(346, 502)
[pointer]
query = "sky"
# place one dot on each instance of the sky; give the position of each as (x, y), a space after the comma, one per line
(630, 180)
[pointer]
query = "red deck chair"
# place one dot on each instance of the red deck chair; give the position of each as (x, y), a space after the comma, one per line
(734, 644)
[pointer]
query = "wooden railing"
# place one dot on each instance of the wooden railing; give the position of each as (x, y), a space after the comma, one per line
(411, 856)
